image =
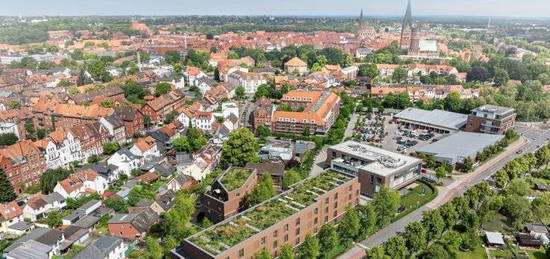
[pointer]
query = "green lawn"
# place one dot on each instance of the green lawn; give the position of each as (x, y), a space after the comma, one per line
(478, 253)
(498, 223)
(502, 253)
(415, 198)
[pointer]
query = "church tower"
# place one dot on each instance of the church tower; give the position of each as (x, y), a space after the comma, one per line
(364, 31)
(407, 28)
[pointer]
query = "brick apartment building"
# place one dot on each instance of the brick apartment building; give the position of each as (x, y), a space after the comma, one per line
(284, 219)
(23, 164)
(373, 166)
(132, 118)
(68, 115)
(225, 199)
(491, 119)
(262, 113)
(315, 110)
(158, 108)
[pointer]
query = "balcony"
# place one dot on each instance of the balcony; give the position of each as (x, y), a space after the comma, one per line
(346, 167)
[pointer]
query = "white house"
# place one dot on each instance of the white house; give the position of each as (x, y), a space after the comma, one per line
(61, 148)
(146, 147)
(125, 161)
(248, 80)
(191, 74)
(80, 184)
(38, 205)
(9, 127)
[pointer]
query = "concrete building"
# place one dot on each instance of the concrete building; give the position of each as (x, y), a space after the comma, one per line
(491, 119)
(374, 166)
(437, 120)
(454, 148)
(284, 219)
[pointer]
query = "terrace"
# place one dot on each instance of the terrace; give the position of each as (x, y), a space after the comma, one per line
(233, 231)
(235, 178)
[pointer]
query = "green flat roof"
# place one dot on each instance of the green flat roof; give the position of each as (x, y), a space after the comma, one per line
(235, 178)
(233, 231)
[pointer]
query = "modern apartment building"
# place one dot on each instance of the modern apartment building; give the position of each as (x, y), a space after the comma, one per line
(373, 166)
(491, 119)
(284, 219)
(314, 110)
(228, 192)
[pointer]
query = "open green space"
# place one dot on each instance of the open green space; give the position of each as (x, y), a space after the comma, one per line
(417, 197)
(477, 253)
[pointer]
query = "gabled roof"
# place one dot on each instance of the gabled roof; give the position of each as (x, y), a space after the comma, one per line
(296, 62)
(101, 248)
(10, 210)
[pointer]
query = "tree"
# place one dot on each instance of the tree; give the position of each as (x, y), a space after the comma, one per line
(240, 148)
(435, 251)
(263, 254)
(478, 74)
(396, 248)
(93, 159)
(470, 239)
(291, 177)
(541, 207)
(162, 88)
(53, 220)
(328, 238)
(399, 75)
(8, 139)
(195, 138)
(49, 179)
(415, 234)
(263, 191)
(263, 131)
(377, 252)
(286, 252)
(467, 165)
(449, 214)
(29, 128)
(517, 209)
(239, 92)
(517, 187)
(176, 220)
(110, 148)
(386, 202)
(369, 70)
(153, 249)
(117, 205)
(7, 193)
(501, 77)
(433, 223)
(441, 172)
(181, 144)
(306, 132)
(452, 102)
(368, 218)
(349, 225)
(309, 248)
(172, 56)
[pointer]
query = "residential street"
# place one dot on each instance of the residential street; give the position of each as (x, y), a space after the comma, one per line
(531, 139)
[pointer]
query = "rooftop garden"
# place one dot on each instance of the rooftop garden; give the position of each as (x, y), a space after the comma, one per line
(227, 234)
(235, 178)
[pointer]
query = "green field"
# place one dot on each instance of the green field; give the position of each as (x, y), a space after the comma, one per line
(478, 253)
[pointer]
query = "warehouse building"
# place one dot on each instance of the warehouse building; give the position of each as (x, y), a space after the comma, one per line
(437, 120)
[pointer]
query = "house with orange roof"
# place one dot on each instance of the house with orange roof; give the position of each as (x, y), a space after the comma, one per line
(23, 164)
(159, 108)
(10, 213)
(296, 65)
(39, 205)
(80, 184)
(312, 111)
(192, 74)
(146, 147)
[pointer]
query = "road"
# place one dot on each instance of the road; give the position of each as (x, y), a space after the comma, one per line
(318, 165)
(531, 140)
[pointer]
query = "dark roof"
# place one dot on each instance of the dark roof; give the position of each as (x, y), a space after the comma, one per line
(527, 240)
(273, 167)
(89, 96)
(142, 221)
(87, 222)
(33, 235)
(125, 113)
(100, 248)
(126, 152)
(538, 228)
(21, 226)
(104, 169)
(30, 249)
(166, 199)
(51, 237)
(542, 187)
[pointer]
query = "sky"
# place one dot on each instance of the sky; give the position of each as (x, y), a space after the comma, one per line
(506, 8)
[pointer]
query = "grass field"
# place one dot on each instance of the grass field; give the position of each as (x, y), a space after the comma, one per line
(498, 223)
(478, 253)
(420, 195)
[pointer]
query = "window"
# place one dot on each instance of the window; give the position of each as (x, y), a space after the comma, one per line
(336, 196)
(286, 227)
(315, 221)
(316, 211)
(275, 244)
(326, 200)
(326, 209)
(298, 231)
(326, 219)
(262, 241)
(241, 252)
(297, 221)
(286, 237)
(349, 188)
(349, 197)
(336, 205)
(275, 233)
(334, 214)
(297, 242)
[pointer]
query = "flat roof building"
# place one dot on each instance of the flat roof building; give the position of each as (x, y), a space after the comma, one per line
(284, 219)
(435, 120)
(454, 148)
(374, 166)
(491, 119)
